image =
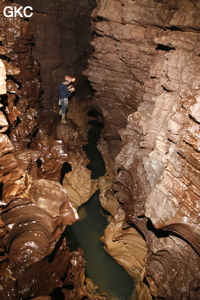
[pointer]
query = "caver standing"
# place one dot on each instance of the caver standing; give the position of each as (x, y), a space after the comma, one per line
(66, 89)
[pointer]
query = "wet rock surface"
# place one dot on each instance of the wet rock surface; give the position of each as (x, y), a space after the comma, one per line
(145, 71)
(34, 206)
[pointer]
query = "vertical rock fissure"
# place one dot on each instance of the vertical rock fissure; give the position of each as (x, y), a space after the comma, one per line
(88, 231)
(144, 72)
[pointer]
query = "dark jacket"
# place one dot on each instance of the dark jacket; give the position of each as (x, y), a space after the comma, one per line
(64, 93)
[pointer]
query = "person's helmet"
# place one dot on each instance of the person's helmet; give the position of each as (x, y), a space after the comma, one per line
(69, 78)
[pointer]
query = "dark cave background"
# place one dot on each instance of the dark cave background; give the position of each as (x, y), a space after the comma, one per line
(62, 44)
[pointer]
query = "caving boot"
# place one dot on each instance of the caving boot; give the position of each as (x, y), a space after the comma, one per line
(63, 121)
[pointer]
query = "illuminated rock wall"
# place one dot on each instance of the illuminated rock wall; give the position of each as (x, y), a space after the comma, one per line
(145, 71)
(35, 208)
(145, 75)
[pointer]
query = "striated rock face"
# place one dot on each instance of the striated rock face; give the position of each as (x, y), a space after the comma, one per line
(145, 73)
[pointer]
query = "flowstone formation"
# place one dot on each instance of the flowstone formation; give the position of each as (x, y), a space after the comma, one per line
(35, 208)
(145, 72)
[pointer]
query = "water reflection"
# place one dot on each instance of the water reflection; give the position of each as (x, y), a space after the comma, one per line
(100, 267)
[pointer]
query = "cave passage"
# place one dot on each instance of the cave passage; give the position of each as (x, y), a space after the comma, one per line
(100, 267)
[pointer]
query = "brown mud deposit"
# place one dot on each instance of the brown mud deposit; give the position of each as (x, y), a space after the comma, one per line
(145, 75)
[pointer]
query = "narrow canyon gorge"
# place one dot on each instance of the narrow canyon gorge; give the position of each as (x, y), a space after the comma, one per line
(137, 70)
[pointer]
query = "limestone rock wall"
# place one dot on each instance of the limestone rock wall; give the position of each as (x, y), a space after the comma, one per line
(145, 73)
(34, 207)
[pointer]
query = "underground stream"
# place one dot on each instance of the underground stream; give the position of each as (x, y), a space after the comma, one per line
(85, 233)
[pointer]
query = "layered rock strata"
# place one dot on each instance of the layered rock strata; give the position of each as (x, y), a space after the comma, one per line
(35, 208)
(145, 71)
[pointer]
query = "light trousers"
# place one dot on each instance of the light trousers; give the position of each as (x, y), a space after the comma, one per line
(64, 105)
